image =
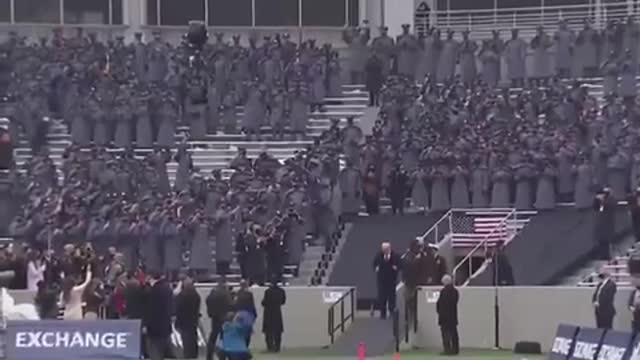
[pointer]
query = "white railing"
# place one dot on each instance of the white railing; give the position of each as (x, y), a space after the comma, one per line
(483, 245)
(531, 17)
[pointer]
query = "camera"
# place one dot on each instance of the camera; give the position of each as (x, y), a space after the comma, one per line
(197, 35)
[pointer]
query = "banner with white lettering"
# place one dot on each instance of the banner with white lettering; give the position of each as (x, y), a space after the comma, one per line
(73, 340)
(614, 345)
(587, 344)
(563, 342)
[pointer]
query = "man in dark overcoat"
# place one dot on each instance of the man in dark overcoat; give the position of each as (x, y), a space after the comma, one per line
(386, 264)
(272, 326)
(447, 308)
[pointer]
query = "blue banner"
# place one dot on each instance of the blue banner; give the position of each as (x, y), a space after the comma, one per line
(563, 342)
(587, 344)
(614, 345)
(73, 340)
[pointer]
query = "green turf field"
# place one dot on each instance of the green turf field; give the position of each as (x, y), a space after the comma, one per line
(408, 355)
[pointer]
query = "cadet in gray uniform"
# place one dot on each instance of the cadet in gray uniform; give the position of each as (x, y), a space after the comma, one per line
(515, 54)
(384, 47)
(407, 52)
(565, 40)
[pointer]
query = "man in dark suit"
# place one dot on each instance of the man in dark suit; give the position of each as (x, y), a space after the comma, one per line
(603, 299)
(386, 265)
(157, 320)
(219, 305)
(604, 222)
(272, 326)
(447, 307)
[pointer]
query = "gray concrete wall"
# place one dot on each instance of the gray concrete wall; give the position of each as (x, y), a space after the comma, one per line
(526, 314)
(305, 314)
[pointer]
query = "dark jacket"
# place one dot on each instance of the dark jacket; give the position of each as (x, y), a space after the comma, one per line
(274, 298)
(604, 295)
(134, 299)
(447, 306)
(387, 270)
(187, 309)
(375, 77)
(604, 219)
(47, 304)
(245, 302)
(158, 310)
(219, 304)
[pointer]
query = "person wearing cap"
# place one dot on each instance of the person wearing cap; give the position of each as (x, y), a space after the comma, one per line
(386, 265)
(564, 39)
(541, 44)
(375, 75)
(449, 53)
(357, 40)
(490, 58)
(350, 181)
(631, 39)
(158, 58)
(384, 47)
(140, 56)
(610, 71)
(603, 300)
(406, 52)
(628, 88)
(604, 223)
(468, 50)
(515, 54)
(587, 44)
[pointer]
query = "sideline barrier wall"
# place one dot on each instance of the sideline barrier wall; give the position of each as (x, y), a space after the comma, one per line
(304, 315)
(525, 314)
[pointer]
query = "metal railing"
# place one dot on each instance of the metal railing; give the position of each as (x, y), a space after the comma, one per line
(483, 245)
(531, 17)
(434, 234)
(344, 318)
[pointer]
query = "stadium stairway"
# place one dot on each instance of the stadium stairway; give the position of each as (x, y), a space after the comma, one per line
(561, 239)
(376, 334)
(353, 267)
(219, 149)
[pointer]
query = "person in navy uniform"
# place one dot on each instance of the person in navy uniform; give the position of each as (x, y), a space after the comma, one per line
(447, 308)
(603, 299)
(386, 264)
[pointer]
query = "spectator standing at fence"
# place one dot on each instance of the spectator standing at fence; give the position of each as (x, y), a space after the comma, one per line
(72, 296)
(187, 317)
(386, 265)
(219, 305)
(447, 308)
(272, 326)
(157, 320)
(603, 300)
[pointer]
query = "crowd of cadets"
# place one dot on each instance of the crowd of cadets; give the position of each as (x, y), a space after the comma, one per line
(611, 52)
(119, 94)
(263, 212)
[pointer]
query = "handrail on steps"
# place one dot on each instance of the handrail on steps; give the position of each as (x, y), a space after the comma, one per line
(501, 226)
(332, 326)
